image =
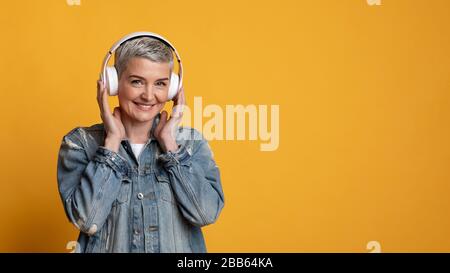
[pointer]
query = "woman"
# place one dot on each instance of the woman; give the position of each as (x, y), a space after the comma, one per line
(138, 182)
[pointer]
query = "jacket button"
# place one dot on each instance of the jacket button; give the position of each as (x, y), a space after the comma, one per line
(140, 196)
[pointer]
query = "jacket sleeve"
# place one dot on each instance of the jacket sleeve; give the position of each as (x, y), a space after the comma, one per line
(88, 188)
(195, 180)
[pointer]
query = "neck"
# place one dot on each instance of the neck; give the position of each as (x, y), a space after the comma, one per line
(136, 131)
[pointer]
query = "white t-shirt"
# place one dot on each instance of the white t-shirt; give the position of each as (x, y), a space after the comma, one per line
(137, 149)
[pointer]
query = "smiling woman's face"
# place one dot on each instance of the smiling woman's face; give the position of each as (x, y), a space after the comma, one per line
(143, 88)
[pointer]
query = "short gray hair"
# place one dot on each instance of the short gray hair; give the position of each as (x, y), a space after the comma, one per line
(147, 47)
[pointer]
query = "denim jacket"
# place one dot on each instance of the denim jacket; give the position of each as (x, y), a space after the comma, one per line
(155, 203)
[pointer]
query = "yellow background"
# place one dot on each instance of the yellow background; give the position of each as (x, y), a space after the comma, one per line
(364, 115)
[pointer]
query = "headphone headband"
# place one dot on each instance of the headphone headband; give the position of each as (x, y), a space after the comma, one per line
(141, 34)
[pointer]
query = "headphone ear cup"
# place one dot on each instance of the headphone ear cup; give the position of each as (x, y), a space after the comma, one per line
(173, 86)
(112, 81)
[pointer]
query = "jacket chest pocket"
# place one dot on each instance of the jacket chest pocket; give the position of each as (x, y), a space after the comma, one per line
(125, 191)
(165, 189)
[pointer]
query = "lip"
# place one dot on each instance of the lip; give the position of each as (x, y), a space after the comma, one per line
(144, 107)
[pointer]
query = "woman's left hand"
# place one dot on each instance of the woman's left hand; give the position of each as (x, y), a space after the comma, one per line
(165, 131)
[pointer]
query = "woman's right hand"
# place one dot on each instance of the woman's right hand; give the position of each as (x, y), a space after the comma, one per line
(115, 131)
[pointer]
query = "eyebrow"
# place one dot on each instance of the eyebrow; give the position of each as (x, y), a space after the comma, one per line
(140, 77)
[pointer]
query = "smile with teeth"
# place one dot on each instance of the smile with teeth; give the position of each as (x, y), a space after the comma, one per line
(144, 107)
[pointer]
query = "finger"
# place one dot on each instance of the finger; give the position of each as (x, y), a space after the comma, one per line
(162, 122)
(176, 118)
(177, 112)
(182, 101)
(116, 112)
(182, 97)
(99, 90)
(179, 104)
(104, 103)
(179, 98)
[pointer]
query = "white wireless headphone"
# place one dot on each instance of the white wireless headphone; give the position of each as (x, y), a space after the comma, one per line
(109, 75)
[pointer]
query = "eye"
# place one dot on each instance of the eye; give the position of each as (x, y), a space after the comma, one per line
(162, 84)
(137, 82)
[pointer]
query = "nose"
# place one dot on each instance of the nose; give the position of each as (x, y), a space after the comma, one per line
(148, 94)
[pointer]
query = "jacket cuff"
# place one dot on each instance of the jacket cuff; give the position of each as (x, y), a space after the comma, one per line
(112, 159)
(170, 158)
